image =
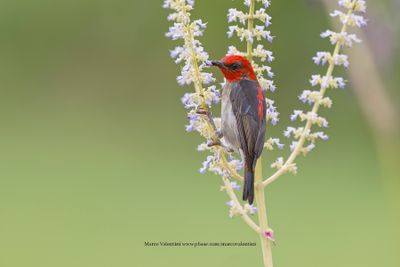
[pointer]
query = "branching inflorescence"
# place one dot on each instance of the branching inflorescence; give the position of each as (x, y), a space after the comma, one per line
(304, 138)
(220, 161)
(252, 29)
(256, 52)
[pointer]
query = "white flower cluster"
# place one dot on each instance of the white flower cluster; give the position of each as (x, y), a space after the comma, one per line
(304, 138)
(192, 54)
(326, 57)
(234, 185)
(250, 35)
(343, 38)
(271, 142)
(310, 97)
(279, 164)
(214, 164)
(192, 51)
(352, 20)
(237, 210)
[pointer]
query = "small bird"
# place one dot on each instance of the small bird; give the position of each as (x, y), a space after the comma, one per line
(243, 118)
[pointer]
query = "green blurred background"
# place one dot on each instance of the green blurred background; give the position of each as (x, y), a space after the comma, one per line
(95, 160)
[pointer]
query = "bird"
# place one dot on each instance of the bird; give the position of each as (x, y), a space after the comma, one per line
(243, 115)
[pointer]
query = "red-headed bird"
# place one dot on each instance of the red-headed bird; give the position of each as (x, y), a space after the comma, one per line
(243, 115)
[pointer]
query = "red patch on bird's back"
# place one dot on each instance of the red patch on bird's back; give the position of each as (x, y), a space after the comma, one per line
(260, 98)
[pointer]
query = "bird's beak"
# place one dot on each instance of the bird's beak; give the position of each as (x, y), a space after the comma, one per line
(217, 63)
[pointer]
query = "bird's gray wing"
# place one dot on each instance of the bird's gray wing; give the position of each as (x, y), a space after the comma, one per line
(251, 126)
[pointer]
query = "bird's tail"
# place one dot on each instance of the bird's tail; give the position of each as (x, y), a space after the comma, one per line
(248, 188)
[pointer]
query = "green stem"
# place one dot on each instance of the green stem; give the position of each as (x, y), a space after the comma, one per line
(258, 187)
(262, 216)
(250, 26)
(243, 213)
(200, 90)
(197, 83)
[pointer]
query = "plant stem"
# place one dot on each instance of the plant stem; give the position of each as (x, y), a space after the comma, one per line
(198, 85)
(246, 218)
(262, 216)
(250, 25)
(258, 186)
(232, 172)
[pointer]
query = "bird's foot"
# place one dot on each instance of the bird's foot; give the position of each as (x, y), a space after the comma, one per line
(202, 111)
(218, 143)
(219, 134)
(229, 150)
(214, 143)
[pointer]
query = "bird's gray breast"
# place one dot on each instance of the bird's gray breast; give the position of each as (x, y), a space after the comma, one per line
(228, 119)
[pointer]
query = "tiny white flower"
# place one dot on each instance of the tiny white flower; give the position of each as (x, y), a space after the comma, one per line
(278, 163)
(278, 143)
(322, 58)
(233, 14)
(289, 131)
(176, 32)
(207, 78)
(296, 114)
(206, 164)
(202, 147)
(321, 135)
(341, 60)
(272, 113)
(315, 80)
(262, 53)
(360, 5)
(260, 32)
(250, 209)
(351, 19)
(232, 50)
(269, 144)
(304, 97)
(231, 203)
(235, 186)
(266, 3)
(232, 30)
(308, 148)
(326, 102)
(340, 82)
(234, 209)
(344, 38)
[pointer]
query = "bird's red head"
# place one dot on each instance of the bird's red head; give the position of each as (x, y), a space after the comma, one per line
(235, 68)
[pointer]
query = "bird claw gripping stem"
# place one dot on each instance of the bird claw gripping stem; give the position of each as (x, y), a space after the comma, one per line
(218, 142)
(214, 143)
(219, 134)
(206, 112)
(202, 111)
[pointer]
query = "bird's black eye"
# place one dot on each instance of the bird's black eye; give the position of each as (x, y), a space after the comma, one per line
(235, 66)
